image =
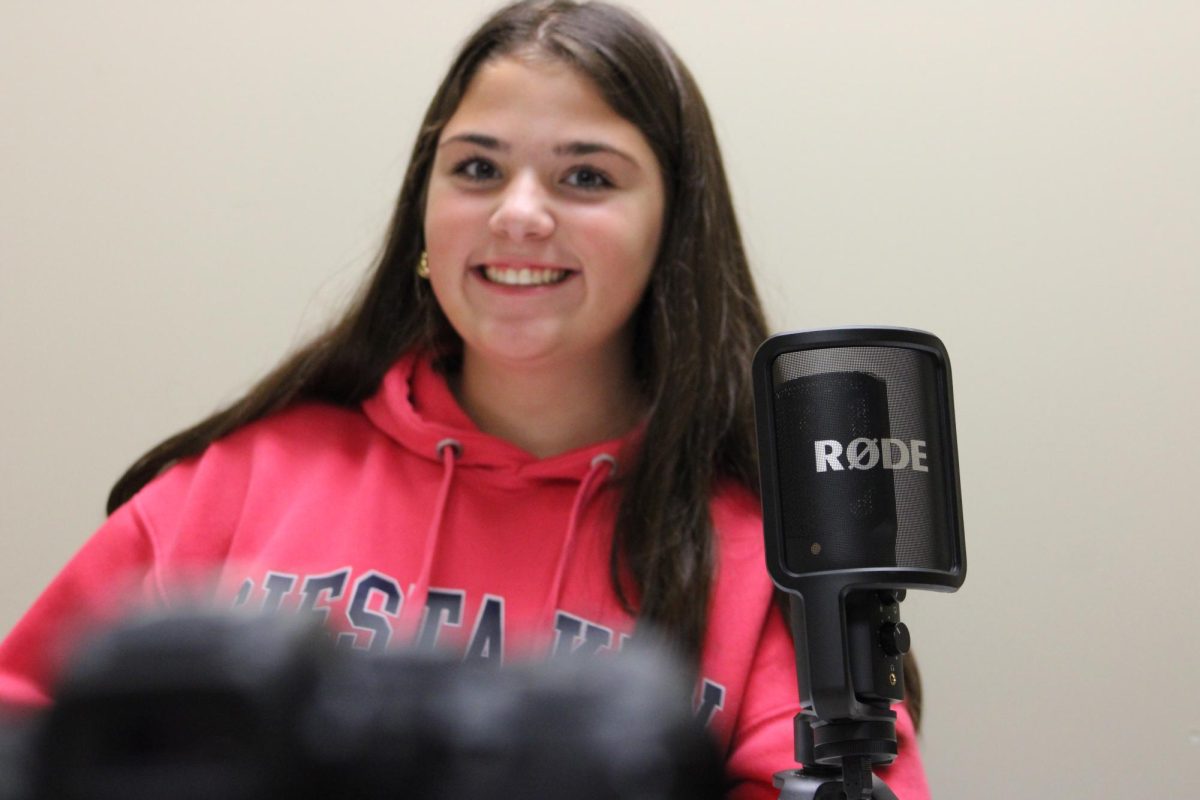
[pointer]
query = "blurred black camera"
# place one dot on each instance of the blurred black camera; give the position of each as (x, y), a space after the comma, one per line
(226, 707)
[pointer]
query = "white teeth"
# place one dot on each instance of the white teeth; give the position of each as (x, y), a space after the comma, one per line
(524, 276)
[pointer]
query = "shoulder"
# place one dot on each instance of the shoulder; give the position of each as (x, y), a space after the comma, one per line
(296, 430)
(742, 592)
(301, 437)
(737, 520)
(735, 501)
(267, 454)
(742, 588)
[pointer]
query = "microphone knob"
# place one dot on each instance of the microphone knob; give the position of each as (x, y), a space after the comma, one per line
(894, 638)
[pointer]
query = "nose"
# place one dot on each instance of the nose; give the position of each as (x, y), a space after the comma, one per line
(523, 212)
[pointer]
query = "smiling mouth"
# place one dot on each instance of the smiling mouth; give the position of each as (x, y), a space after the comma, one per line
(523, 276)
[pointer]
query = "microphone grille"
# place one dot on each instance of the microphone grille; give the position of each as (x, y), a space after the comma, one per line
(861, 430)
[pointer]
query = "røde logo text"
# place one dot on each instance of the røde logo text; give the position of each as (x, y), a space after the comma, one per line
(864, 453)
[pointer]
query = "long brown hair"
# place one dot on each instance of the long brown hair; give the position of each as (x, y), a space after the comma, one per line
(695, 330)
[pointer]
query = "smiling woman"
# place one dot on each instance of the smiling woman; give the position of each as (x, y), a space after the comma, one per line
(542, 224)
(532, 434)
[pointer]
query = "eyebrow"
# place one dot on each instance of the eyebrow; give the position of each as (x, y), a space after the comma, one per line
(588, 148)
(486, 142)
(579, 148)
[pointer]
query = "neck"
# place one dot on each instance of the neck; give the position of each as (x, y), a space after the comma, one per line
(551, 408)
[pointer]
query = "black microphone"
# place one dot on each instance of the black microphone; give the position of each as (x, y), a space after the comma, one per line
(860, 491)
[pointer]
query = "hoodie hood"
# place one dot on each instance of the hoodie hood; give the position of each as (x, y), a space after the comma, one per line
(415, 407)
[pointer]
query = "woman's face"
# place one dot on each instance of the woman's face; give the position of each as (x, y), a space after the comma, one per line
(543, 217)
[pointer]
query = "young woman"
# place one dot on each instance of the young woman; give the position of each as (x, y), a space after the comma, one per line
(533, 431)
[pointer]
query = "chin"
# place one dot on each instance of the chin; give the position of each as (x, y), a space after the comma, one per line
(515, 351)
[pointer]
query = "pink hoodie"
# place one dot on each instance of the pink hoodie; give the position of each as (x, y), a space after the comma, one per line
(402, 522)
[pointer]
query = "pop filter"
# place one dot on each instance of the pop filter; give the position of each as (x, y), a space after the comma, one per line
(860, 493)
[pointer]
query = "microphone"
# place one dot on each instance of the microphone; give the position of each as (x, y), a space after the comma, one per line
(860, 491)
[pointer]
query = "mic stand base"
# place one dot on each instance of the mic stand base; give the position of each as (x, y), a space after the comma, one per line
(822, 783)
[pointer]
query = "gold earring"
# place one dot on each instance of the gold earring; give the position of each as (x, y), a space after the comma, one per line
(423, 265)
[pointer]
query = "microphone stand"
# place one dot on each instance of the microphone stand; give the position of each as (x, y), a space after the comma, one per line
(852, 780)
(845, 725)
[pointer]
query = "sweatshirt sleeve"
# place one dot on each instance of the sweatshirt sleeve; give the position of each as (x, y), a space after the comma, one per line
(762, 741)
(112, 571)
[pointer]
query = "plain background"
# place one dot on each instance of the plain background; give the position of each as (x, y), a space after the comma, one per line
(188, 189)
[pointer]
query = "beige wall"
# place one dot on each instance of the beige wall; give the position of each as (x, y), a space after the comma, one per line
(188, 187)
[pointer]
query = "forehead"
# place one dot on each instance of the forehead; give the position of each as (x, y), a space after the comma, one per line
(519, 99)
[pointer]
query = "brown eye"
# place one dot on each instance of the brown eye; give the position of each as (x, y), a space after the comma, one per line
(588, 178)
(476, 169)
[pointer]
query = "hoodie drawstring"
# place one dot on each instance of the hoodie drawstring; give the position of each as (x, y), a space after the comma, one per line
(448, 450)
(595, 478)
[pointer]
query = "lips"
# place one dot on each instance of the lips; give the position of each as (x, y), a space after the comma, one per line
(523, 275)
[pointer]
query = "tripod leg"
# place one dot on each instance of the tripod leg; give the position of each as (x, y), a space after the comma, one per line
(883, 791)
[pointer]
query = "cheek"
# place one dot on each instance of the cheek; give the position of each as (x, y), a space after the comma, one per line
(644, 217)
(624, 238)
(448, 215)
